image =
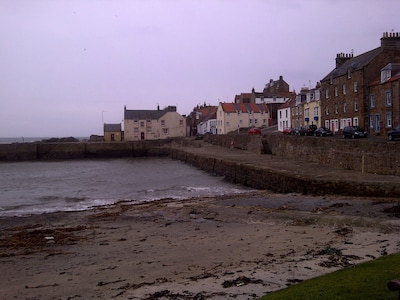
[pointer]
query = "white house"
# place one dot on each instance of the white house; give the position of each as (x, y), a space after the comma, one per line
(153, 124)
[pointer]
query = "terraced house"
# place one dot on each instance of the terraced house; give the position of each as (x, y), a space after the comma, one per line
(345, 91)
(233, 116)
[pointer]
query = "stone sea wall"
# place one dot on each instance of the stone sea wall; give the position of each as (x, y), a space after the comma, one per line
(364, 155)
(78, 150)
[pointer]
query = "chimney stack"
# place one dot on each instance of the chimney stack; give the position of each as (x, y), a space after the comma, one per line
(341, 58)
(390, 41)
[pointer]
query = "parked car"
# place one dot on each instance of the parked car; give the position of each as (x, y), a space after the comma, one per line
(394, 133)
(255, 131)
(299, 131)
(309, 129)
(288, 131)
(354, 132)
(323, 131)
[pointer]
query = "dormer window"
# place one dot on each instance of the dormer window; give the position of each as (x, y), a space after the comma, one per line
(385, 75)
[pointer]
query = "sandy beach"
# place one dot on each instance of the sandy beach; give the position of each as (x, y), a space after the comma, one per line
(234, 246)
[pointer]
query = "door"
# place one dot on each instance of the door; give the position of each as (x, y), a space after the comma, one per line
(377, 123)
(142, 135)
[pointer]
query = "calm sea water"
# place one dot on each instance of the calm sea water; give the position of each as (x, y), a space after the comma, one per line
(37, 187)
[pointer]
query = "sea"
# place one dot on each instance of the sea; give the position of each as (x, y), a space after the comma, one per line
(36, 187)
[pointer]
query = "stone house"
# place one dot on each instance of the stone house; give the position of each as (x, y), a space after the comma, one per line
(345, 90)
(233, 116)
(384, 100)
(113, 133)
(274, 94)
(153, 124)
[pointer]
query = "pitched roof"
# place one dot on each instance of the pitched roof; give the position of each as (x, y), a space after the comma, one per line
(144, 114)
(244, 107)
(288, 103)
(354, 63)
(112, 127)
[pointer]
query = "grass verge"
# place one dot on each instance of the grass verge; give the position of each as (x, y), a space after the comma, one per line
(365, 281)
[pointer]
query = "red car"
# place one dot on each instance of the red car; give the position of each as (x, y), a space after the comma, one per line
(288, 131)
(255, 131)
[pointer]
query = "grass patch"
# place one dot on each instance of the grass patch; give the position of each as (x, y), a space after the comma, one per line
(365, 281)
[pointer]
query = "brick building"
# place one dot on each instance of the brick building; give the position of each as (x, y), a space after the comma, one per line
(345, 90)
(384, 100)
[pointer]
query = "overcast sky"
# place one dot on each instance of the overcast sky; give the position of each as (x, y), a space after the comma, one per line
(68, 66)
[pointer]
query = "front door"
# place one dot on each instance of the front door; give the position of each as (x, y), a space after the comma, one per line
(377, 123)
(142, 135)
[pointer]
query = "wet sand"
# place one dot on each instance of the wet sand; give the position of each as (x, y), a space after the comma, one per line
(235, 246)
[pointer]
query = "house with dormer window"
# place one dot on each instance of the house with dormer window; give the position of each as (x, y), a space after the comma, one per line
(233, 116)
(345, 96)
(384, 100)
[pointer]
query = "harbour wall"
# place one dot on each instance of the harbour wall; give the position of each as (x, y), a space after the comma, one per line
(364, 155)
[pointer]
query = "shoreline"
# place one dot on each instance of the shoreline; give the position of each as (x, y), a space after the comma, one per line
(232, 246)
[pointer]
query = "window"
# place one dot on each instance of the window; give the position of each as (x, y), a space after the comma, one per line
(327, 110)
(307, 113)
(136, 130)
(250, 121)
(165, 131)
(331, 79)
(149, 129)
(162, 122)
(227, 124)
(355, 106)
(388, 119)
(388, 98)
(348, 73)
(336, 91)
(371, 121)
(181, 123)
(317, 95)
(135, 121)
(336, 109)
(315, 111)
(264, 121)
(141, 123)
(355, 87)
(241, 122)
(372, 100)
(355, 121)
(344, 107)
(148, 120)
(326, 93)
(344, 89)
(255, 121)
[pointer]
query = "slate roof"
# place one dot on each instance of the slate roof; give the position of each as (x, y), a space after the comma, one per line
(354, 63)
(112, 127)
(144, 114)
(244, 107)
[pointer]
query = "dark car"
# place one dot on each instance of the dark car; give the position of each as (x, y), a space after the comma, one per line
(353, 132)
(309, 129)
(323, 131)
(299, 131)
(255, 131)
(394, 133)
